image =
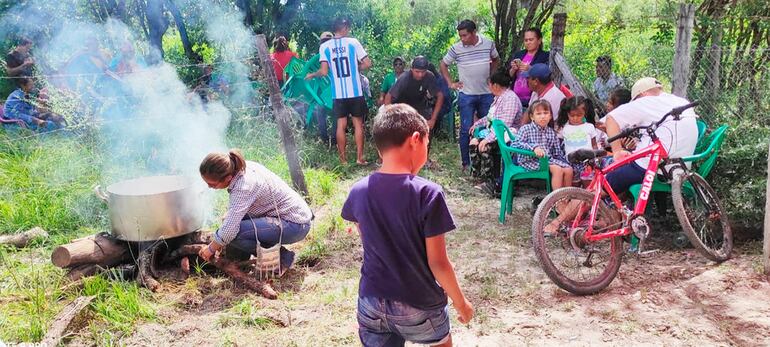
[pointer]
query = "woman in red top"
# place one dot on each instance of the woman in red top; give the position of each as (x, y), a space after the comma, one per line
(281, 57)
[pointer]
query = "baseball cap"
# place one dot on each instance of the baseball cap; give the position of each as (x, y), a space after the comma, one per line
(398, 59)
(419, 62)
(326, 35)
(643, 85)
(537, 71)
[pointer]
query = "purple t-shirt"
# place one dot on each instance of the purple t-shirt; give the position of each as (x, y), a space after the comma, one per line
(395, 213)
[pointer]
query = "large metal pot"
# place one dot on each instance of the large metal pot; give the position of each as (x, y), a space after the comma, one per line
(153, 208)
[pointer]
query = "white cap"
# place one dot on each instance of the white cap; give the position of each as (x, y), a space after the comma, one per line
(643, 85)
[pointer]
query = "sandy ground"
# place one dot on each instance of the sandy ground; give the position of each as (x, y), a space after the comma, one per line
(672, 298)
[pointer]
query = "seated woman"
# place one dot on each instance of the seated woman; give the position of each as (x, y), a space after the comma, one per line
(485, 155)
(262, 207)
(18, 106)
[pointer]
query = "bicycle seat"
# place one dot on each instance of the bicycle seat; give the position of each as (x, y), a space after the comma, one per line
(582, 155)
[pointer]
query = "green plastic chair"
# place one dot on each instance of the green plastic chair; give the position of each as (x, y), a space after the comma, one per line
(513, 172)
(704, 160)
(294, 67)
(317, 91)
(702, 127)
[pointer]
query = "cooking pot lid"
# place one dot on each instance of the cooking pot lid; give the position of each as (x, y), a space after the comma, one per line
(149, 185)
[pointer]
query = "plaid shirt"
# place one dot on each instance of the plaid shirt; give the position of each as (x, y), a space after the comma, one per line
(507, 108)
(258, 192)
(532, 136)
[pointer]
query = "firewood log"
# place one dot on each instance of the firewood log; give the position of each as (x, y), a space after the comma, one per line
(96, 249)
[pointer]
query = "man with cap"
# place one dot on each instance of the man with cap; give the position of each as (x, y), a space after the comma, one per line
(649, 103)
(542, 87)
(417, 88)
(391, 78)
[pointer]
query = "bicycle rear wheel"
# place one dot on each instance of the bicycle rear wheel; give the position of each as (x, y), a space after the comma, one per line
(574, 264)
(701, 215)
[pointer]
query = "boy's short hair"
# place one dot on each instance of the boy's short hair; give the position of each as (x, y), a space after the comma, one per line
(340, 23)
(394, 124)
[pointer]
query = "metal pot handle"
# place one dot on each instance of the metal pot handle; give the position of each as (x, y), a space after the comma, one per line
(101, 194)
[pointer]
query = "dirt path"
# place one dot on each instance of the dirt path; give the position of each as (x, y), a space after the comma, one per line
(673, 298)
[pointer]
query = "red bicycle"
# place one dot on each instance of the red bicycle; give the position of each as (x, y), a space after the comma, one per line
(578, 233)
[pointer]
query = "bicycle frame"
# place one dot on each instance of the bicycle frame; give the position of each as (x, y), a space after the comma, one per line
(657, 153)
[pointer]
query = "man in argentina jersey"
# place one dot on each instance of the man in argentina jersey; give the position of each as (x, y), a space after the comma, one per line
(344, 58)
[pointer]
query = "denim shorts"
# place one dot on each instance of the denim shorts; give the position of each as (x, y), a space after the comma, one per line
(384, 322)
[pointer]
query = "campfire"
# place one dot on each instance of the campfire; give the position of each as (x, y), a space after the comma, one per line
(150, 262)
(155, 234)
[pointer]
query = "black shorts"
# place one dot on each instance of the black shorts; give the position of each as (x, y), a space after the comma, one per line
(355, 107)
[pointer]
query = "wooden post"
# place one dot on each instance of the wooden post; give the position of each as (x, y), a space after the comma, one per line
(682, 57)
(766, 239)
(282, 117)
(557, 43)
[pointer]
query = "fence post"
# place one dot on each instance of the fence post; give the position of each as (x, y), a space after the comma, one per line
(682, 57)
(282, 117)
(557, 43)
(766, 238)
(714, 74)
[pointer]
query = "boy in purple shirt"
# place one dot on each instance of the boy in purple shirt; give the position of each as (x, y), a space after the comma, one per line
(406, 275)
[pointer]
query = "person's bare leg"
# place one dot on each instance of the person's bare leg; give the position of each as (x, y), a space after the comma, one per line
(358, 132)
(557, 176)
(447, 343)
(342, 124)
(568, 174)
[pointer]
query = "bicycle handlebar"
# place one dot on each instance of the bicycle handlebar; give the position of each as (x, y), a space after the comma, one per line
(675, 112)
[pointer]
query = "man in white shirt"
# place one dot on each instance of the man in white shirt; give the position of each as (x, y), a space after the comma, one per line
(648, 105)
(344, 57)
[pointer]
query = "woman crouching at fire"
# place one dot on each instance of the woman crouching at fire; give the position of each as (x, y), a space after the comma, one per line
(262, 208)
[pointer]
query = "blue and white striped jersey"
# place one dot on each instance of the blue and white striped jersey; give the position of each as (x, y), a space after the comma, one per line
(343, 55)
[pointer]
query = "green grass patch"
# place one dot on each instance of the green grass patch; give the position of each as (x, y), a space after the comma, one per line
(118, 305)
(246, 313)
(30, 296)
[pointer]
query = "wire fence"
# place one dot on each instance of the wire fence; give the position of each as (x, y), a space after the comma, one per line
(728, 83)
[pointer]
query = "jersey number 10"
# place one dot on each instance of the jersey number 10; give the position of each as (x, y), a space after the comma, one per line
(343, 66)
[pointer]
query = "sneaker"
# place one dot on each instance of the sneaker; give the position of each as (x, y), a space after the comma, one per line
(490, 188)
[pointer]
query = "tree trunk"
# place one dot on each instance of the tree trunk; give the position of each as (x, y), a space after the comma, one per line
(96, 249)
(557, 44)
(681, 73)
(157, 24)
(248, 16)
(282, 117)
(180, 26)
(766, 240)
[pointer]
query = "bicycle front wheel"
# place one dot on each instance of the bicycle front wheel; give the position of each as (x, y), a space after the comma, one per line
(573, 263)
(701, 215)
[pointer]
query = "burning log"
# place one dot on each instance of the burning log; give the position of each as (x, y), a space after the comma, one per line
(98, 249)
(146, 275)
(21, 240)
(101, 253)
